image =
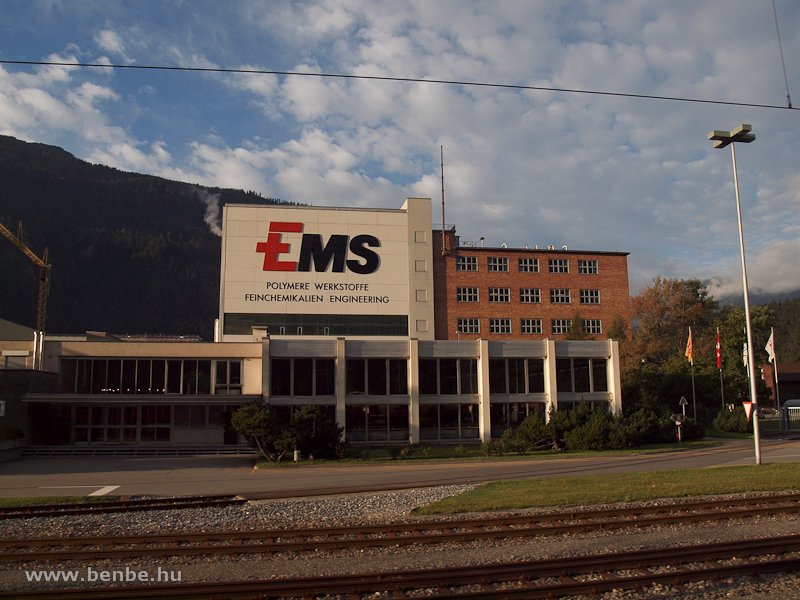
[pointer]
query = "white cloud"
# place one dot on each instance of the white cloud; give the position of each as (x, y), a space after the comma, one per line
(592, 172)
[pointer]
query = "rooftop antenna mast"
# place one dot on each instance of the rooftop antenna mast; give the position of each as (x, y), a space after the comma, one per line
(441, 155)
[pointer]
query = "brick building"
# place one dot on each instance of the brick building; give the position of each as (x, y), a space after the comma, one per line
(527, 294)
(353, 311)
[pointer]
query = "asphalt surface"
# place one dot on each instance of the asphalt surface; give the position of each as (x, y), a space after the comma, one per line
(190, 476)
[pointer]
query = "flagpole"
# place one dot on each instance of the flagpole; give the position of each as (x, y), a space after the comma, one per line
(690, 355)
(773, 358)
(719, 366)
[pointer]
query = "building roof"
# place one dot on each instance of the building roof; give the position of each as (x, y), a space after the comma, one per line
(13, 332)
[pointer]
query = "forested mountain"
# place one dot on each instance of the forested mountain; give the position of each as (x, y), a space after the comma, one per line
(135, 254)
(130, 253)
(787, 329)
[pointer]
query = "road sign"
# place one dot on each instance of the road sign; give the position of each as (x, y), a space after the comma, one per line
(748, 409)
(677, 419)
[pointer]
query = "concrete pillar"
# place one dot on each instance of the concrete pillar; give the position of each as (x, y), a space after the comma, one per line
(266, 366)
(341, 387)
(413, 391)
(614, 377)
(484, 420)
(550, 387)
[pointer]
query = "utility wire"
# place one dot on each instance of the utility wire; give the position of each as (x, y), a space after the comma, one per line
(396, 79)
(783, 63)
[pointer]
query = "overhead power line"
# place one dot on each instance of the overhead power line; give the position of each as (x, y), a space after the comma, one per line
(395, 79)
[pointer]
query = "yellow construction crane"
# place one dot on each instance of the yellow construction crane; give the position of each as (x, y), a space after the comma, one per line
(44, 274)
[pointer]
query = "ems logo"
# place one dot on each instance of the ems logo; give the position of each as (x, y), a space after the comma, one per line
(316, 257)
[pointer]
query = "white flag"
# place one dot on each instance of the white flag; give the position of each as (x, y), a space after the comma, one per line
(771, 346)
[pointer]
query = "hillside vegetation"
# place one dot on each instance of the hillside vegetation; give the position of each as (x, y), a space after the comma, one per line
(130, 253)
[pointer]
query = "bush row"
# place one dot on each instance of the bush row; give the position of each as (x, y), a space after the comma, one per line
(584, 428)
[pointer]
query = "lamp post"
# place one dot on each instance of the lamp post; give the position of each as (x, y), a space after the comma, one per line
(722, 139)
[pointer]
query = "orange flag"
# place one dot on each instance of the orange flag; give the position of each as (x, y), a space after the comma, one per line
(689, 347)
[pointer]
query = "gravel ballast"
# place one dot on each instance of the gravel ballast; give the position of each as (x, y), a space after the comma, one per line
(383, 507)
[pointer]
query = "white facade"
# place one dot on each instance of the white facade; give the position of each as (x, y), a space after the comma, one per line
(326, 271)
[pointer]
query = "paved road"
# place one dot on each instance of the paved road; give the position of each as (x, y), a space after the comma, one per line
(161, 476)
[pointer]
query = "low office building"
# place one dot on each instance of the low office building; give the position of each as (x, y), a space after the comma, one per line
(338, 308)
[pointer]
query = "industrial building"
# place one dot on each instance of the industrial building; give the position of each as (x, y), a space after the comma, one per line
(393, 328)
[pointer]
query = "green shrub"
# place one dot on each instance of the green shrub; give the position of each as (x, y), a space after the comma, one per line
(733, 420)
(487, 448)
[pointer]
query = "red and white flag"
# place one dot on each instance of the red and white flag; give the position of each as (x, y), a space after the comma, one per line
(771, 346)
(719, 355)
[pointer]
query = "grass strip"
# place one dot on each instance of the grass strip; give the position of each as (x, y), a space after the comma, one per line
(47, 500)
(618, 487)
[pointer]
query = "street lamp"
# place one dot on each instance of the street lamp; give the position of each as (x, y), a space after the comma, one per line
(721, 139)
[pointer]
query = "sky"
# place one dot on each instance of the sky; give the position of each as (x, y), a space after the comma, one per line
(598, 172)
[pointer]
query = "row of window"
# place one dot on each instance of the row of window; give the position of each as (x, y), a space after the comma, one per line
(297, 377)
(121, 424)
(527, 295)
(150, 376)
(437, 376)
(500, 264)
(529, 326)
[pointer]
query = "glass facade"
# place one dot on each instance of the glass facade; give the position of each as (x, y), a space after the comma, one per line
(147, 376)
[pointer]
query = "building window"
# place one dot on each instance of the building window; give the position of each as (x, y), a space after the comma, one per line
(559, 265)
(528, 265)
(467, 294)
(590, 296)
(448, 376)
(466, 263)
(581, 375)
(229, 377)
(560, 296)
(148, 376)
(516, 376)
(469, 326)
(499, 325)
(377, 422)
(376, 377)
(561, 326)
(499, 294)
(530, 295)
(302, 377)
(498, 264)
(505, 415)
(531, 326)
(592, 326)
(448, 421)
(587, 267)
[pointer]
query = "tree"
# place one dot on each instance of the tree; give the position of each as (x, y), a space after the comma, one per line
(655, 370)
(263, 429)
(307, 431)
(733, 336)
(665, 311)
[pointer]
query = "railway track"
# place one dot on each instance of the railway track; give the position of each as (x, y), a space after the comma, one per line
(550, 578)
(58, 510)
(268, 542)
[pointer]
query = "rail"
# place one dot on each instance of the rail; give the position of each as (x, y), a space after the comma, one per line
(268, 542)
(550, 578)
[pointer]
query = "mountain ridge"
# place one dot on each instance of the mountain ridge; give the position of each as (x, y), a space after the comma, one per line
(130, 253)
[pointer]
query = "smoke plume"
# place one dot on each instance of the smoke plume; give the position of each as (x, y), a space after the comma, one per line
(212, 210)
